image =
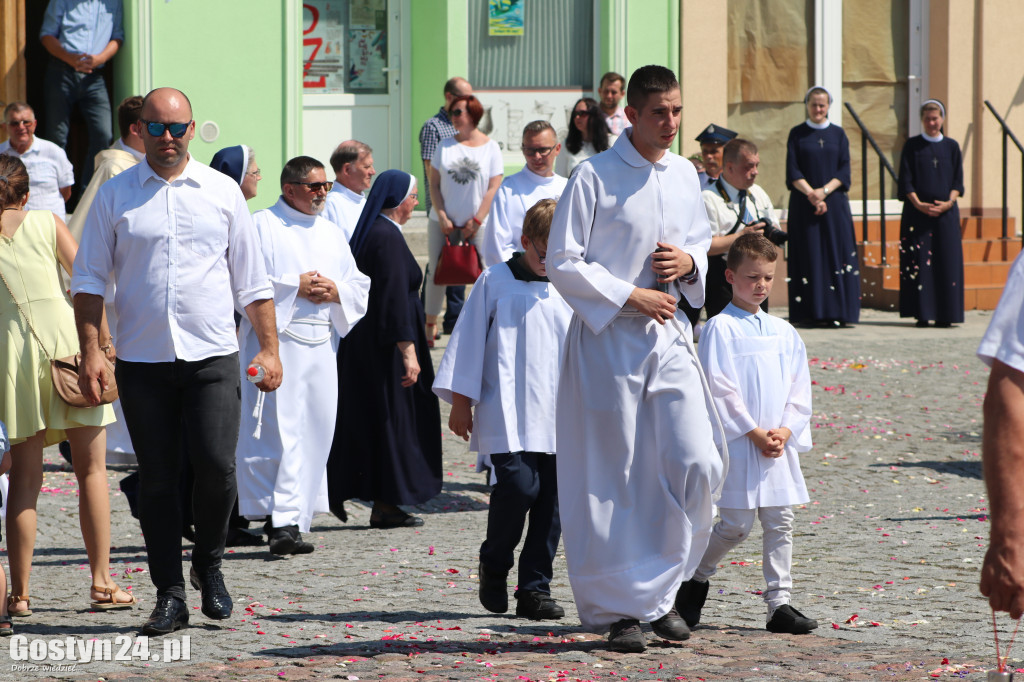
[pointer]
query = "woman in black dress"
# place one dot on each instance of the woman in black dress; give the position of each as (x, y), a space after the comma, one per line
(387, 438)
(824, 273)
(931, 251)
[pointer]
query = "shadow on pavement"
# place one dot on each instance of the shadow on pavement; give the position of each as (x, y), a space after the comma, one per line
(957, 468)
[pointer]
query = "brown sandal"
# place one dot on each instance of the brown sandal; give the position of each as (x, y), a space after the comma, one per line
(109, 604)
(14, 599)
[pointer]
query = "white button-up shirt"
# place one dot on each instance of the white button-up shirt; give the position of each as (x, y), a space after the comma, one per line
(343, 208)
(48, 170)
(181, 253)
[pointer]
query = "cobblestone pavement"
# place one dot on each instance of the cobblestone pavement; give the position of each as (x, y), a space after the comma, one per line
(887, 556)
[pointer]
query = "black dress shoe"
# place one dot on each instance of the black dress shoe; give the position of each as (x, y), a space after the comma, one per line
(671, 626)
(788, 620)
(393, 520)
(216, 600)
(288, 540)
(169, 614)
(493, 590)
(537, 606)
(239, 537)
(627, 637)
(690, 600)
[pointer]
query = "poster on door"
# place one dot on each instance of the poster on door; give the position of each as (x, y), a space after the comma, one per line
(323, 55)
(368, 57)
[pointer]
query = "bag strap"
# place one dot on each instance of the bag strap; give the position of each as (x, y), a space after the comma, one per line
(27, 320)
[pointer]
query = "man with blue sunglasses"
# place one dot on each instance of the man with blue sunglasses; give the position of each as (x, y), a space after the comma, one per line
(180, 242)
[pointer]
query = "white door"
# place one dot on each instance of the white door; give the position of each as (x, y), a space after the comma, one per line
(351, 59)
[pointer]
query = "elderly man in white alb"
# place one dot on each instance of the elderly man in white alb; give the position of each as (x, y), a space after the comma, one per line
(521, 191)
(50, 174)
(319, 295)
(637, 463)
(179, 241)
(352, 163)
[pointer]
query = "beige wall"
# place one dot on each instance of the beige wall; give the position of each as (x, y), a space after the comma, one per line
(976, 53)
(704, 69)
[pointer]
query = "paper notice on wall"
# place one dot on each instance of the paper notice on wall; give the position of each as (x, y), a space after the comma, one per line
(505, 17)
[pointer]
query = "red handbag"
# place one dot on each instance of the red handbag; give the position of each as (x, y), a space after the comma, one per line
(458, 264)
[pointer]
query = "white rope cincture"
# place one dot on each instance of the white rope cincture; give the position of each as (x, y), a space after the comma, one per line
(257, 413)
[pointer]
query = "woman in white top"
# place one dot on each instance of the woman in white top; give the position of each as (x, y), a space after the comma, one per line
(588, 135)
(465, 173)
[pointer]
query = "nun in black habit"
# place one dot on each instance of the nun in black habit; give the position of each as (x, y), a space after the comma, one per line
(931, 250)
(387, 438)
(824, 271)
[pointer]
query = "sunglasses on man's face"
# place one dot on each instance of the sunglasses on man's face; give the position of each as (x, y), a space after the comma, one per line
(315, 186)
(156, 129)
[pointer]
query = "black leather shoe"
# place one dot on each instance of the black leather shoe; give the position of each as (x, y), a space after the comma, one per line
(216, 600)
(239, 537)
(690, 600)
(627, 637)
(392, 520)
(788, 620)
(288, 540)
(169, 614)
(493, 590)
(671, 626)
(537, 606)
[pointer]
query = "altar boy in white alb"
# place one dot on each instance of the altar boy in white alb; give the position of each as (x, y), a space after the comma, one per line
(319, 295)
(756, 365)
(503, 357)
(520, 191)
(637, 464)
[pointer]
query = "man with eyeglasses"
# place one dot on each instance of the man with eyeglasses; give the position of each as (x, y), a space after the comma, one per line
(180, 243)
(520, 191)
(352, 163)
(439, 127)
(320, 295)
(50, 175)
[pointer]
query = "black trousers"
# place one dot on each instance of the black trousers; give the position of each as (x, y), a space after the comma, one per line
(527, 486)
(164, 403)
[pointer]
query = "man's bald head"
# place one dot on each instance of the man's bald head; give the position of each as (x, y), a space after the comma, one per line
(455, 87)
(353, 167)
(164, 98)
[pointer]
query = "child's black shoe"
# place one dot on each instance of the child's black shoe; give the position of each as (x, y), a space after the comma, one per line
(788, 620)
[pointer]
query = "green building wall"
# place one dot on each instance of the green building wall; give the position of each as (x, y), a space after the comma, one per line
(238, 61)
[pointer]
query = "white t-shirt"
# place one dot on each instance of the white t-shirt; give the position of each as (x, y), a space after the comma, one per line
(465, 173)
(1004, 338)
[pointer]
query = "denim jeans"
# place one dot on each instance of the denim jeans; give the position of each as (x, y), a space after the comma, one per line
(64, 88)
(164, 403)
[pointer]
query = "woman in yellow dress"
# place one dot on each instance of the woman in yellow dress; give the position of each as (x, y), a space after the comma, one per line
(32, 243)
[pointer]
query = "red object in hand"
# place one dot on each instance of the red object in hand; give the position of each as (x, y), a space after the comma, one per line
(255, 373)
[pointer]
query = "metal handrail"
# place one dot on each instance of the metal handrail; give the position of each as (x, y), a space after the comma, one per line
(883, 166)
(1008, 134)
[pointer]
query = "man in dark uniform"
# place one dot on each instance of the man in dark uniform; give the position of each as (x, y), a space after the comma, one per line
(712, 139)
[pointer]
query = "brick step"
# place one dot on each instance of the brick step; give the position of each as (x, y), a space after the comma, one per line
(975, 251)
(880, 286)
(971, 227)
(975, 274)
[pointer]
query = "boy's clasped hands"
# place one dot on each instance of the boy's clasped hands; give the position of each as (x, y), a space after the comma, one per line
(771, 443)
